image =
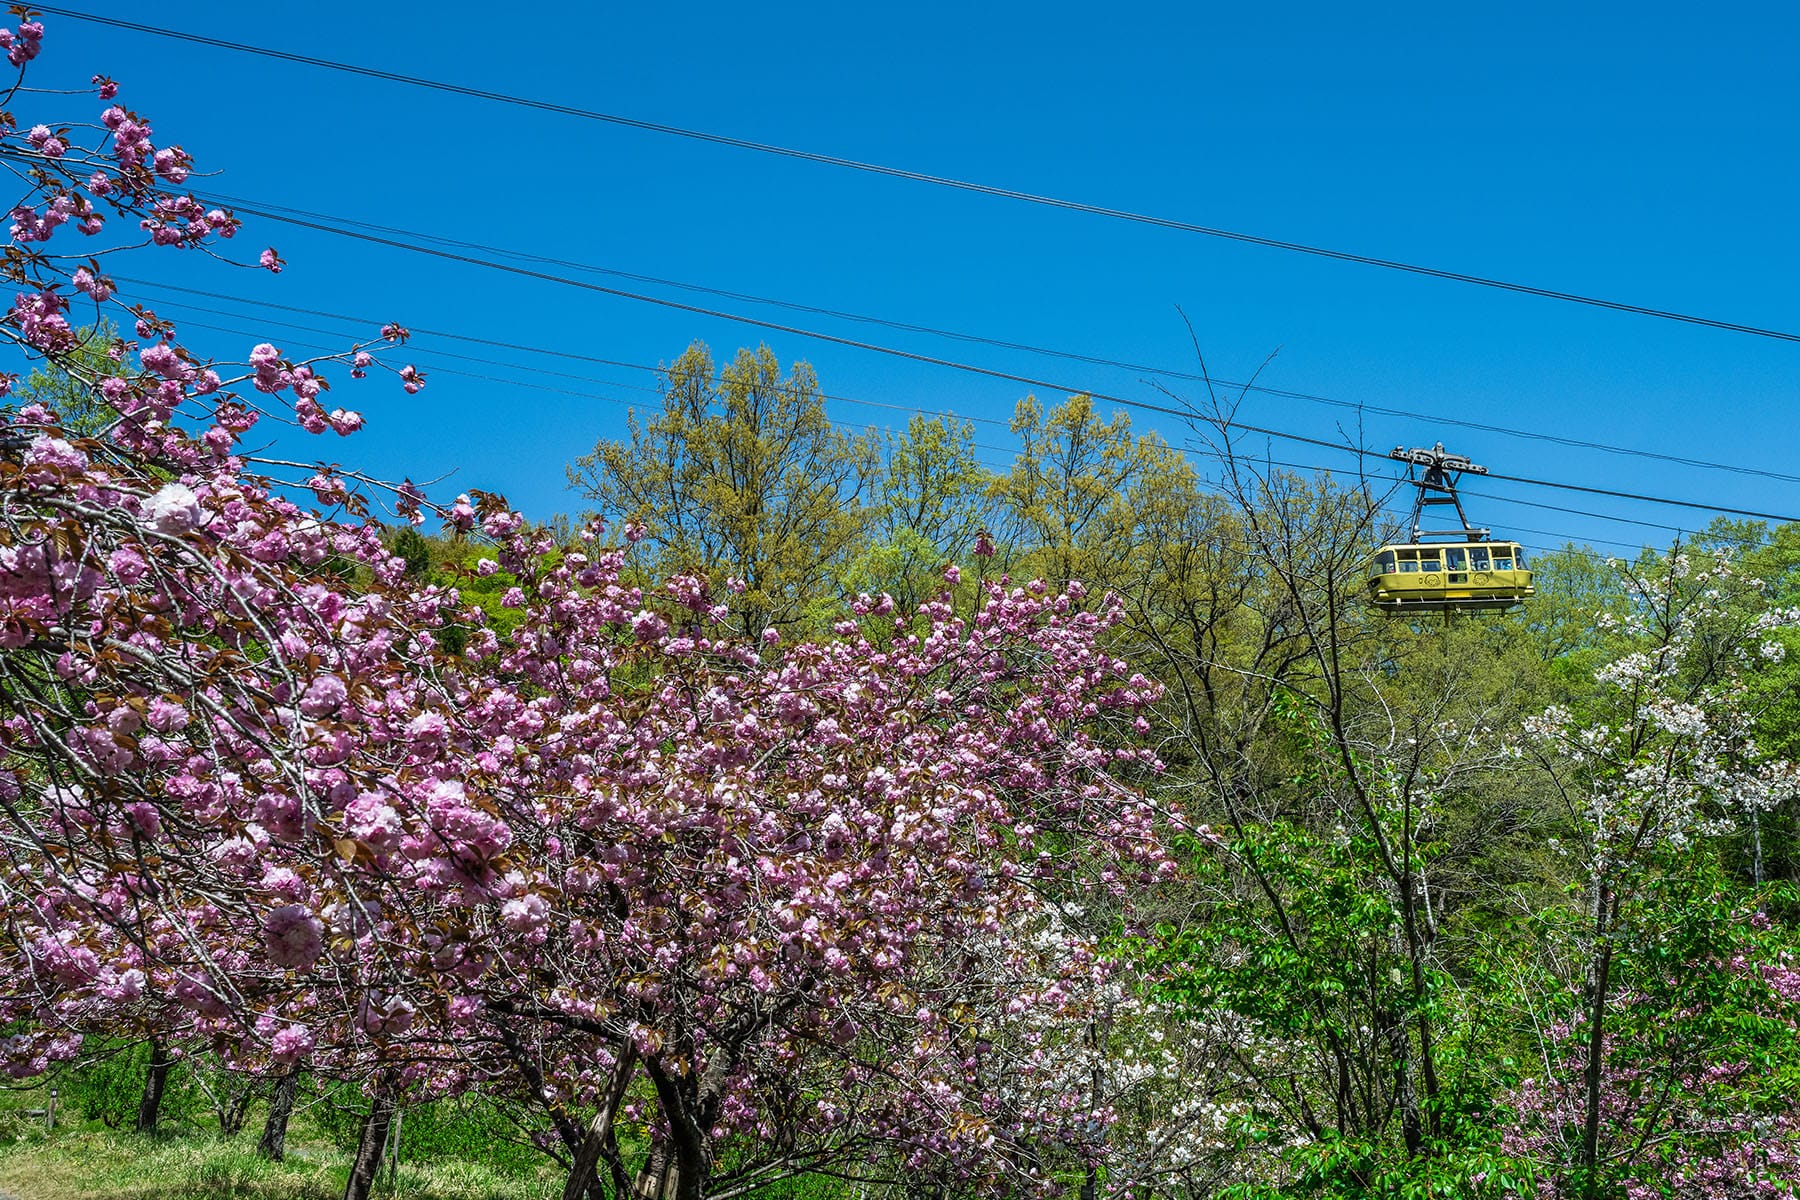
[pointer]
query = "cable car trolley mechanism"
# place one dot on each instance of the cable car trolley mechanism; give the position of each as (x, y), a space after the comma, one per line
(1444, 570)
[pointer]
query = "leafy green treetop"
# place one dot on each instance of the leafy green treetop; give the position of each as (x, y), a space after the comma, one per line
(739, 476)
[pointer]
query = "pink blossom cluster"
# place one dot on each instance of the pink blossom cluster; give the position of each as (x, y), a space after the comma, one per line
(125, 172)
(22, 45)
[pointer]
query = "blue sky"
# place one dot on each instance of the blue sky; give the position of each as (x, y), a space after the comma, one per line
(1638, 152)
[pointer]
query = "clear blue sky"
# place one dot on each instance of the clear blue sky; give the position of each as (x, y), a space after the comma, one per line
(1644, 152)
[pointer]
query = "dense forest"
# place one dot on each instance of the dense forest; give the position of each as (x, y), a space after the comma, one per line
(841, 813)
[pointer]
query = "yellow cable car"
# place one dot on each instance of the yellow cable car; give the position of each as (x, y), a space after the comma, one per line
(1449, 575)
(1459, 568)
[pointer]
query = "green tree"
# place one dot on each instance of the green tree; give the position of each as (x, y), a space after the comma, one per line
(63, 387)
(932, 501)
(1079, 490)
(1655, 769)
(740, 476)
(1574, 586)
(414, 550)
(1353, 771)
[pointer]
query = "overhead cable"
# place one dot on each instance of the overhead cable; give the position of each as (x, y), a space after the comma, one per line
(995, 466)
(250, 205)
(906, 408)
(964, 185)
(342, 224)
(1183, 414)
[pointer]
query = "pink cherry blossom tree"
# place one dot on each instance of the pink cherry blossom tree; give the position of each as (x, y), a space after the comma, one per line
(828, 865)
(786, 908)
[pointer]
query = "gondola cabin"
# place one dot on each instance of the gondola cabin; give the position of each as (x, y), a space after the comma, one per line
(1434, 576)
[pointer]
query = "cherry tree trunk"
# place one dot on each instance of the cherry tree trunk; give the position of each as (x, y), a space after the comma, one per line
(155, 1082)
(234, 1107)
(660, 1176)
(583, 1178)
(373, 1140)
(273, 1143)
(674, 1172)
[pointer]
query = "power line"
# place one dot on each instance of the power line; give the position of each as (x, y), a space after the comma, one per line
(658, 370)
(1569, 539)
(1510, 529)
(945, 181)
(186, 306)
(421, 331)
(1580, 512)
(1498, 499)
(640, 387)
(436, 368)
(1183, 414)
(415, 329)
(824, 395)
(345, 225)
(182, 305)
(250, 205)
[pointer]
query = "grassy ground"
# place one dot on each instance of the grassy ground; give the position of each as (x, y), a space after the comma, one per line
(451, 1150)
(89, 1163)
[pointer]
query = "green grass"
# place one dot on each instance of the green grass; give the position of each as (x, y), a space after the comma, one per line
(450, 1150)
(90, 1165)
